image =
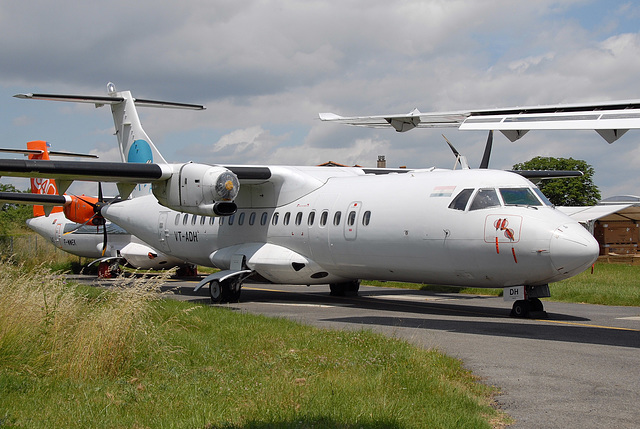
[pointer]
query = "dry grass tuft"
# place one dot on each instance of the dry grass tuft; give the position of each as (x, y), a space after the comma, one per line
(48, 327)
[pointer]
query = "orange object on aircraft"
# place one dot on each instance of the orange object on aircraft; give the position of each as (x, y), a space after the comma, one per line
(42, 186)
(81, 210)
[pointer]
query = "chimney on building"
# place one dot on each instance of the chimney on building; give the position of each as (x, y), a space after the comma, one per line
(382, 162)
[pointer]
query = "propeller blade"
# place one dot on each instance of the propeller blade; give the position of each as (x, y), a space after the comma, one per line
(453, 149)
(80, 226)
(104, 242)
(459, 158)
(487, 151)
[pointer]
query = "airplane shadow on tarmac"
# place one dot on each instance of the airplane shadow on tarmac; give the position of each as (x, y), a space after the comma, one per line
(481, 320)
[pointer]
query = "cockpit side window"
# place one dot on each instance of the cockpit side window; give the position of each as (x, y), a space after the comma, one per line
(461, 200)
(485, 198)
(542, 196)
(519, 197)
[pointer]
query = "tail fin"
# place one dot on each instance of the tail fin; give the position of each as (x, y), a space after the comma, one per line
(135, 145)
(42, 186)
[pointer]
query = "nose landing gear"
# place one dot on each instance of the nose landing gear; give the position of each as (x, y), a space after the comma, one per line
(530, 307)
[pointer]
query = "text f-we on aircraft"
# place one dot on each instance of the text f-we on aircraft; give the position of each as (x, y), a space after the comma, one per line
(319, 225)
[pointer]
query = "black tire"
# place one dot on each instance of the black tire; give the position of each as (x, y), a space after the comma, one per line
(230, 290)
(536, 304)
(520, 308)
(215, 291)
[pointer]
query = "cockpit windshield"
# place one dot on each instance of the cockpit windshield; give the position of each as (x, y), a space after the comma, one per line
(490, 197)
(485, 198)
(519, 197)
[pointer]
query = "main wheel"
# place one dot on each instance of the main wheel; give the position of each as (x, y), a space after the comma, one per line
(230, 290)
(215, 291)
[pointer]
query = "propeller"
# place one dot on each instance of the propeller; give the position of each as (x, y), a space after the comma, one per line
(459, 158)
(97, 219)
(463, 160)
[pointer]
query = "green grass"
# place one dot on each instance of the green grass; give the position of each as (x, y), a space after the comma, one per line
(195, 366)
(610, 284)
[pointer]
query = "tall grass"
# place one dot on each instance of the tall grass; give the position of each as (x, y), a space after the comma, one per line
(47, 327)
(122, 358)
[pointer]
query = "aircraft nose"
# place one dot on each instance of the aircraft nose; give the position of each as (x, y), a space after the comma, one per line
(573, 249)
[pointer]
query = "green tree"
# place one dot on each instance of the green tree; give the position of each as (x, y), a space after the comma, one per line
(575, 191)
(13, 216)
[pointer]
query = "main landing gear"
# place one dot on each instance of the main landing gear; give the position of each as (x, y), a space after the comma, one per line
(225, 291)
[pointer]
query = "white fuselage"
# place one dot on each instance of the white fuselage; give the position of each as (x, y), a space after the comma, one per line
(87, 241)
(396, 226)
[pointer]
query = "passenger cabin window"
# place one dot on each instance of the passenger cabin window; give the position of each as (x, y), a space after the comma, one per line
(351, 219)
(485, 198)
(519, 197)
(184, 219)
(194, 219)
(461, 200)
(287, 216)
(263, 218)
(366, 218)
(202, 220)
(211, 220)
(252, 218)
(178, 218)
(336, 218)
(231, 219)
(323, 218)
(274, 221)
(311, 218)
(241, 218)
(299, 218)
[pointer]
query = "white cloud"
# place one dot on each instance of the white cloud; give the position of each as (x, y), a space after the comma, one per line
(265, 69)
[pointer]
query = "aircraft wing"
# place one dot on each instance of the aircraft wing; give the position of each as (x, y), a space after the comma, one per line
(34, 199)
(78, 170)
(610, 119)
(589, 213)
(120, 172)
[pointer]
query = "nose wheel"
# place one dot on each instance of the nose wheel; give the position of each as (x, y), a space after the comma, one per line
(530, 308)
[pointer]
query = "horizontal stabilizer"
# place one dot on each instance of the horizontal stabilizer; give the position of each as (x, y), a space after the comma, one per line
(101, 100)
(51, 152)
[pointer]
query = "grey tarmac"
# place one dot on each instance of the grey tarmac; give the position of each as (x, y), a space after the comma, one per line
(580, 367)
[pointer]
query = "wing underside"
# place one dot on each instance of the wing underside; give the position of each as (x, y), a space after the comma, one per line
(611, 120)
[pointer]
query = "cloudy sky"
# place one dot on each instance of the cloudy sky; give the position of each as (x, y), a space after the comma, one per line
(265, 69)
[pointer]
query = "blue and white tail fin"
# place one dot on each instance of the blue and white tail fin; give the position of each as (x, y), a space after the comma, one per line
(134, 143)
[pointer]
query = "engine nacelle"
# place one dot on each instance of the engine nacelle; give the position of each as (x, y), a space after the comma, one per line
(199, 189)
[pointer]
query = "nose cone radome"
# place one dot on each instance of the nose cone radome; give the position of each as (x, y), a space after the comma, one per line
(39, 225)
(573, 249)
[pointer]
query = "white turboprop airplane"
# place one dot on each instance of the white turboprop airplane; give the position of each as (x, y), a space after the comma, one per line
(74, 227)
(319, 225)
